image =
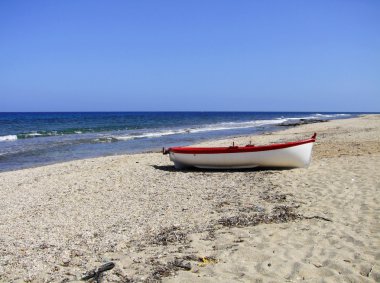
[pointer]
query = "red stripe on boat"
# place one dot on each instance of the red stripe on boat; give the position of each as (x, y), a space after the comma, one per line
(237, 149)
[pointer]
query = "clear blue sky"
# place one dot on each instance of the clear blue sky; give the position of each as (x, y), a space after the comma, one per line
(217, 55)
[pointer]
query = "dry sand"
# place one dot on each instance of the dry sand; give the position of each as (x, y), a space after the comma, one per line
(319, 224)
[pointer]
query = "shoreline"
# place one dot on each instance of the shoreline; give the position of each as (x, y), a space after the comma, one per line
(280, 127)
(154, 222)
(13, 157)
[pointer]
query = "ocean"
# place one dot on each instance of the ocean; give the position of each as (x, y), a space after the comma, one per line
(34, 139)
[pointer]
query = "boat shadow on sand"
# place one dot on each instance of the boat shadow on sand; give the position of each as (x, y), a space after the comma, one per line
(171, 168)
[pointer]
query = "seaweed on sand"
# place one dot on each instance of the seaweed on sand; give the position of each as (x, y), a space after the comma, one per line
(170, 235)
(161, 270)
(270, 197)
(280, 214)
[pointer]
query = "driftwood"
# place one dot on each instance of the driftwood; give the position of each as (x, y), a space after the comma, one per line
(317, 217)
(96, 273)
(181, 263)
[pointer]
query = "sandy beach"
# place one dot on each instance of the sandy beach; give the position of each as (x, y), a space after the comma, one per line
(316, 224)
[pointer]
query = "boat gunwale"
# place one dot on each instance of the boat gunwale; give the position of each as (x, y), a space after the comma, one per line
(238, 149)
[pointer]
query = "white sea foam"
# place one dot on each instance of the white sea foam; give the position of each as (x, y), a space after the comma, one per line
(317, 116)
(33, 134)
(8, 138)
(149, 135)
(236, 125)
(331, 115)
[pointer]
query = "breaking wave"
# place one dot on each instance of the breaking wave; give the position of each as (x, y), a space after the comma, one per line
(8, 138)
(224, 126)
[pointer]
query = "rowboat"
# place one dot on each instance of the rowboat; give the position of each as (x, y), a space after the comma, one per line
(295, 154)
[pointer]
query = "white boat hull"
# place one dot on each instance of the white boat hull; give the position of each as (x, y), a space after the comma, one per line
(289, 157)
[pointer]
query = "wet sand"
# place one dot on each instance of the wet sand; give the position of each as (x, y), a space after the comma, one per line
(157, 223)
